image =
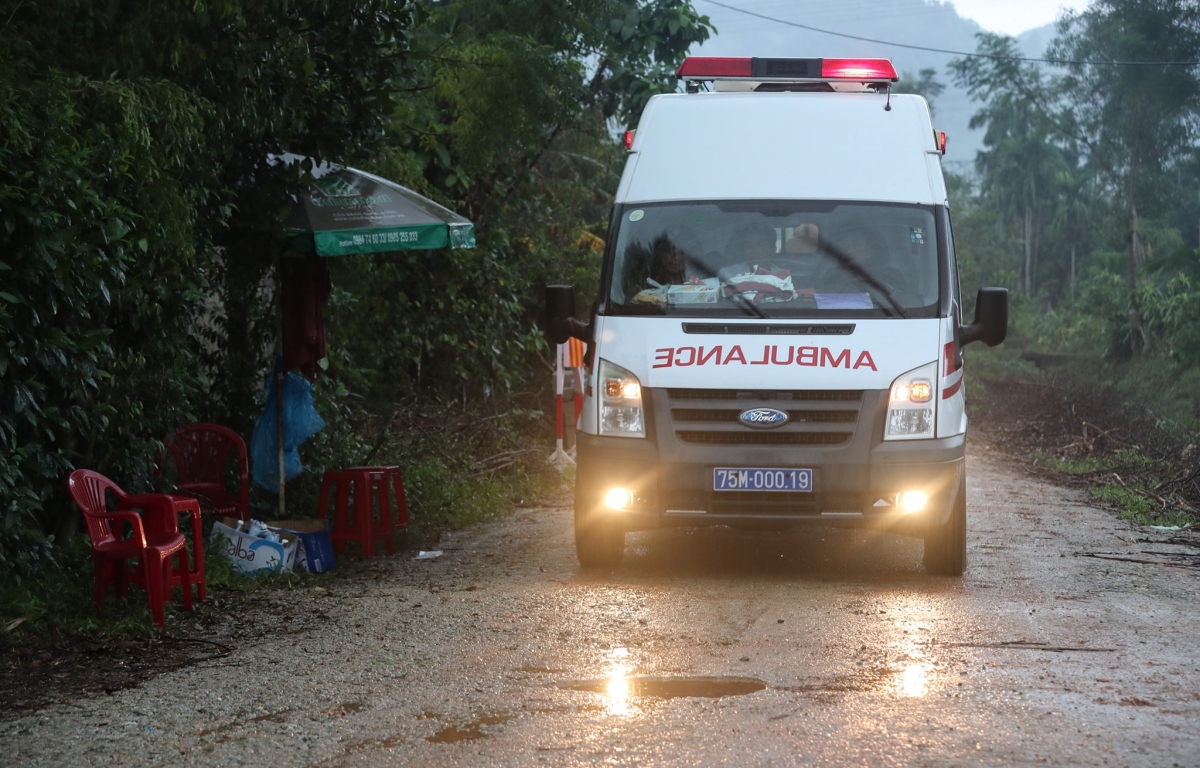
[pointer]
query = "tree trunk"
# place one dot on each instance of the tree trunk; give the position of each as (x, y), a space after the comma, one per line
(1028, 247)
(1072, 273)
(1134, 316)
(1134, 249)
(1033, 262)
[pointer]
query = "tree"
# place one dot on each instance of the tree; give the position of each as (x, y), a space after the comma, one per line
(134, 141)
(1139, 118)
(510, 118)
(924, 84)
(1024, 138)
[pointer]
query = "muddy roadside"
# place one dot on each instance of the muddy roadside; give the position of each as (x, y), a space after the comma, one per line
(1021, 423)
(817, 646)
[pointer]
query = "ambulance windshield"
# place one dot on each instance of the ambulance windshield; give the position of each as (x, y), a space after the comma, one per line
(775, 259)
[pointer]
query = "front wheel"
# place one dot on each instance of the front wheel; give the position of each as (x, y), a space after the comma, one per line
(599, 539)
(946, 545)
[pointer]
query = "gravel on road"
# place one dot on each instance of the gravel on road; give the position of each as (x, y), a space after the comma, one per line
(1073, 638)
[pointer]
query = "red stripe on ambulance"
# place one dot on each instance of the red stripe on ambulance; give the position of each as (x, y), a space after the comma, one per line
(771, 354)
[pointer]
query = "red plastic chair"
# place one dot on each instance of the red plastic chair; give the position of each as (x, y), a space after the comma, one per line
(201, 453)
(153, 546)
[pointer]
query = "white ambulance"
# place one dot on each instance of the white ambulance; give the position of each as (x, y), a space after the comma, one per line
(778, 338)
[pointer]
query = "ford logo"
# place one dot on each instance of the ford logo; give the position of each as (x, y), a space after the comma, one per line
(763, 418)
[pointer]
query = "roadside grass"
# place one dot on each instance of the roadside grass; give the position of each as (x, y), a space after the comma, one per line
(55, 602)
(1105, 475)
(1133, 504)
(1128, 431)
(452, 480)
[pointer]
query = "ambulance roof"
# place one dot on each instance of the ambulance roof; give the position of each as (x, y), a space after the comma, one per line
(809, 146)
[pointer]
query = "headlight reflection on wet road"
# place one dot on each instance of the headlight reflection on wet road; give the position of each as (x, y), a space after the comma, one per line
(914, 680)
(616, 692)
(616, 689)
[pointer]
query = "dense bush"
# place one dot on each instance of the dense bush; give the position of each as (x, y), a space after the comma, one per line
(141, 229)
(133, 143)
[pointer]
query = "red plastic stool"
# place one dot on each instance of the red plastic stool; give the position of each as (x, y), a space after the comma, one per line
(370, 485)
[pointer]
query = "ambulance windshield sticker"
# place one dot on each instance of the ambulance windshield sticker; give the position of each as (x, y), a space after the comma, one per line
(636, 215)
(916, 235)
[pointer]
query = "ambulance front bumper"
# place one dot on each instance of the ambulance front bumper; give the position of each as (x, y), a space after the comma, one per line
(857, 479)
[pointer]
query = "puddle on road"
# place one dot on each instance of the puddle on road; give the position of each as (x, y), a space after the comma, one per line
(472, 730)
(620, 687)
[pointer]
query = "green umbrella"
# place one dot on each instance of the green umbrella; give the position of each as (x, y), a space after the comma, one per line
(348, 211)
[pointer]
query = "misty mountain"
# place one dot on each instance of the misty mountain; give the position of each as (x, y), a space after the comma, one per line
(926, 23)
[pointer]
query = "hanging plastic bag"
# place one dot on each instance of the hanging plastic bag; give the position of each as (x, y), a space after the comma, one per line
(300, 422)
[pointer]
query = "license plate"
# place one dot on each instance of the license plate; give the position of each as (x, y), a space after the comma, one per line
(762, 479)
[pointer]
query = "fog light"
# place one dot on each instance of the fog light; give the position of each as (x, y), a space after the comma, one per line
(912, 501)
(621, 499)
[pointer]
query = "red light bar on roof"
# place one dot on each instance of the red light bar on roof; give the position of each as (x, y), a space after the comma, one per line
(786, 70)
(858, 69)
(712, 67)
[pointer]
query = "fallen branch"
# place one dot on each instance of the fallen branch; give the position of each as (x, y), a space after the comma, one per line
(1100, 556)
(1025, 645)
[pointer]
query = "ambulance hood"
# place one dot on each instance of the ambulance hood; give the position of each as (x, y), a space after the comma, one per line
(812, 146)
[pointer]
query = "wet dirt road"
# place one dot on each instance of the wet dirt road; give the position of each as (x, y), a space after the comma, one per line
(704, 648)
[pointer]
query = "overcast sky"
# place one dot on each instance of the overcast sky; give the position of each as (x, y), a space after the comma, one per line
(1012, 17)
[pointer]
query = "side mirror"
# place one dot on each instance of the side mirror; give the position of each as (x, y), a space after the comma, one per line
(991, 318)
(560, 309)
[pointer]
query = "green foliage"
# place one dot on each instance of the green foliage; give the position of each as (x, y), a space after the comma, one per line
(141, 225)
(925, 84)
(99, 241)
(1086, 195)
(134, 140)
(57, 601)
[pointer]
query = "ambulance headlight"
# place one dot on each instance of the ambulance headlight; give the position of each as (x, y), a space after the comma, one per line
(621, 413)
(910, 405)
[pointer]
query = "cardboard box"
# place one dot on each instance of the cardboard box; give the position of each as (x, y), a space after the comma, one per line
(249, 554)
(706, 293)
(315, 551)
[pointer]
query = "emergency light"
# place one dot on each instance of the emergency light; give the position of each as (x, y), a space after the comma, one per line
(786, 70)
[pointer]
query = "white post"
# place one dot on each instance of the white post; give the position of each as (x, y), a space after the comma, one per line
(559, 458)
(279, 435)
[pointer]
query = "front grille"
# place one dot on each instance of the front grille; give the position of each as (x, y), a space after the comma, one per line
(705, 416)
(751, 503)
(843, 329)
(759, 503)
(804, 395)
(794, 417)
(756, 437)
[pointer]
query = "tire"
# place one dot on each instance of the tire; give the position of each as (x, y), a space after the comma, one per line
(599, 540)
(946, 545)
